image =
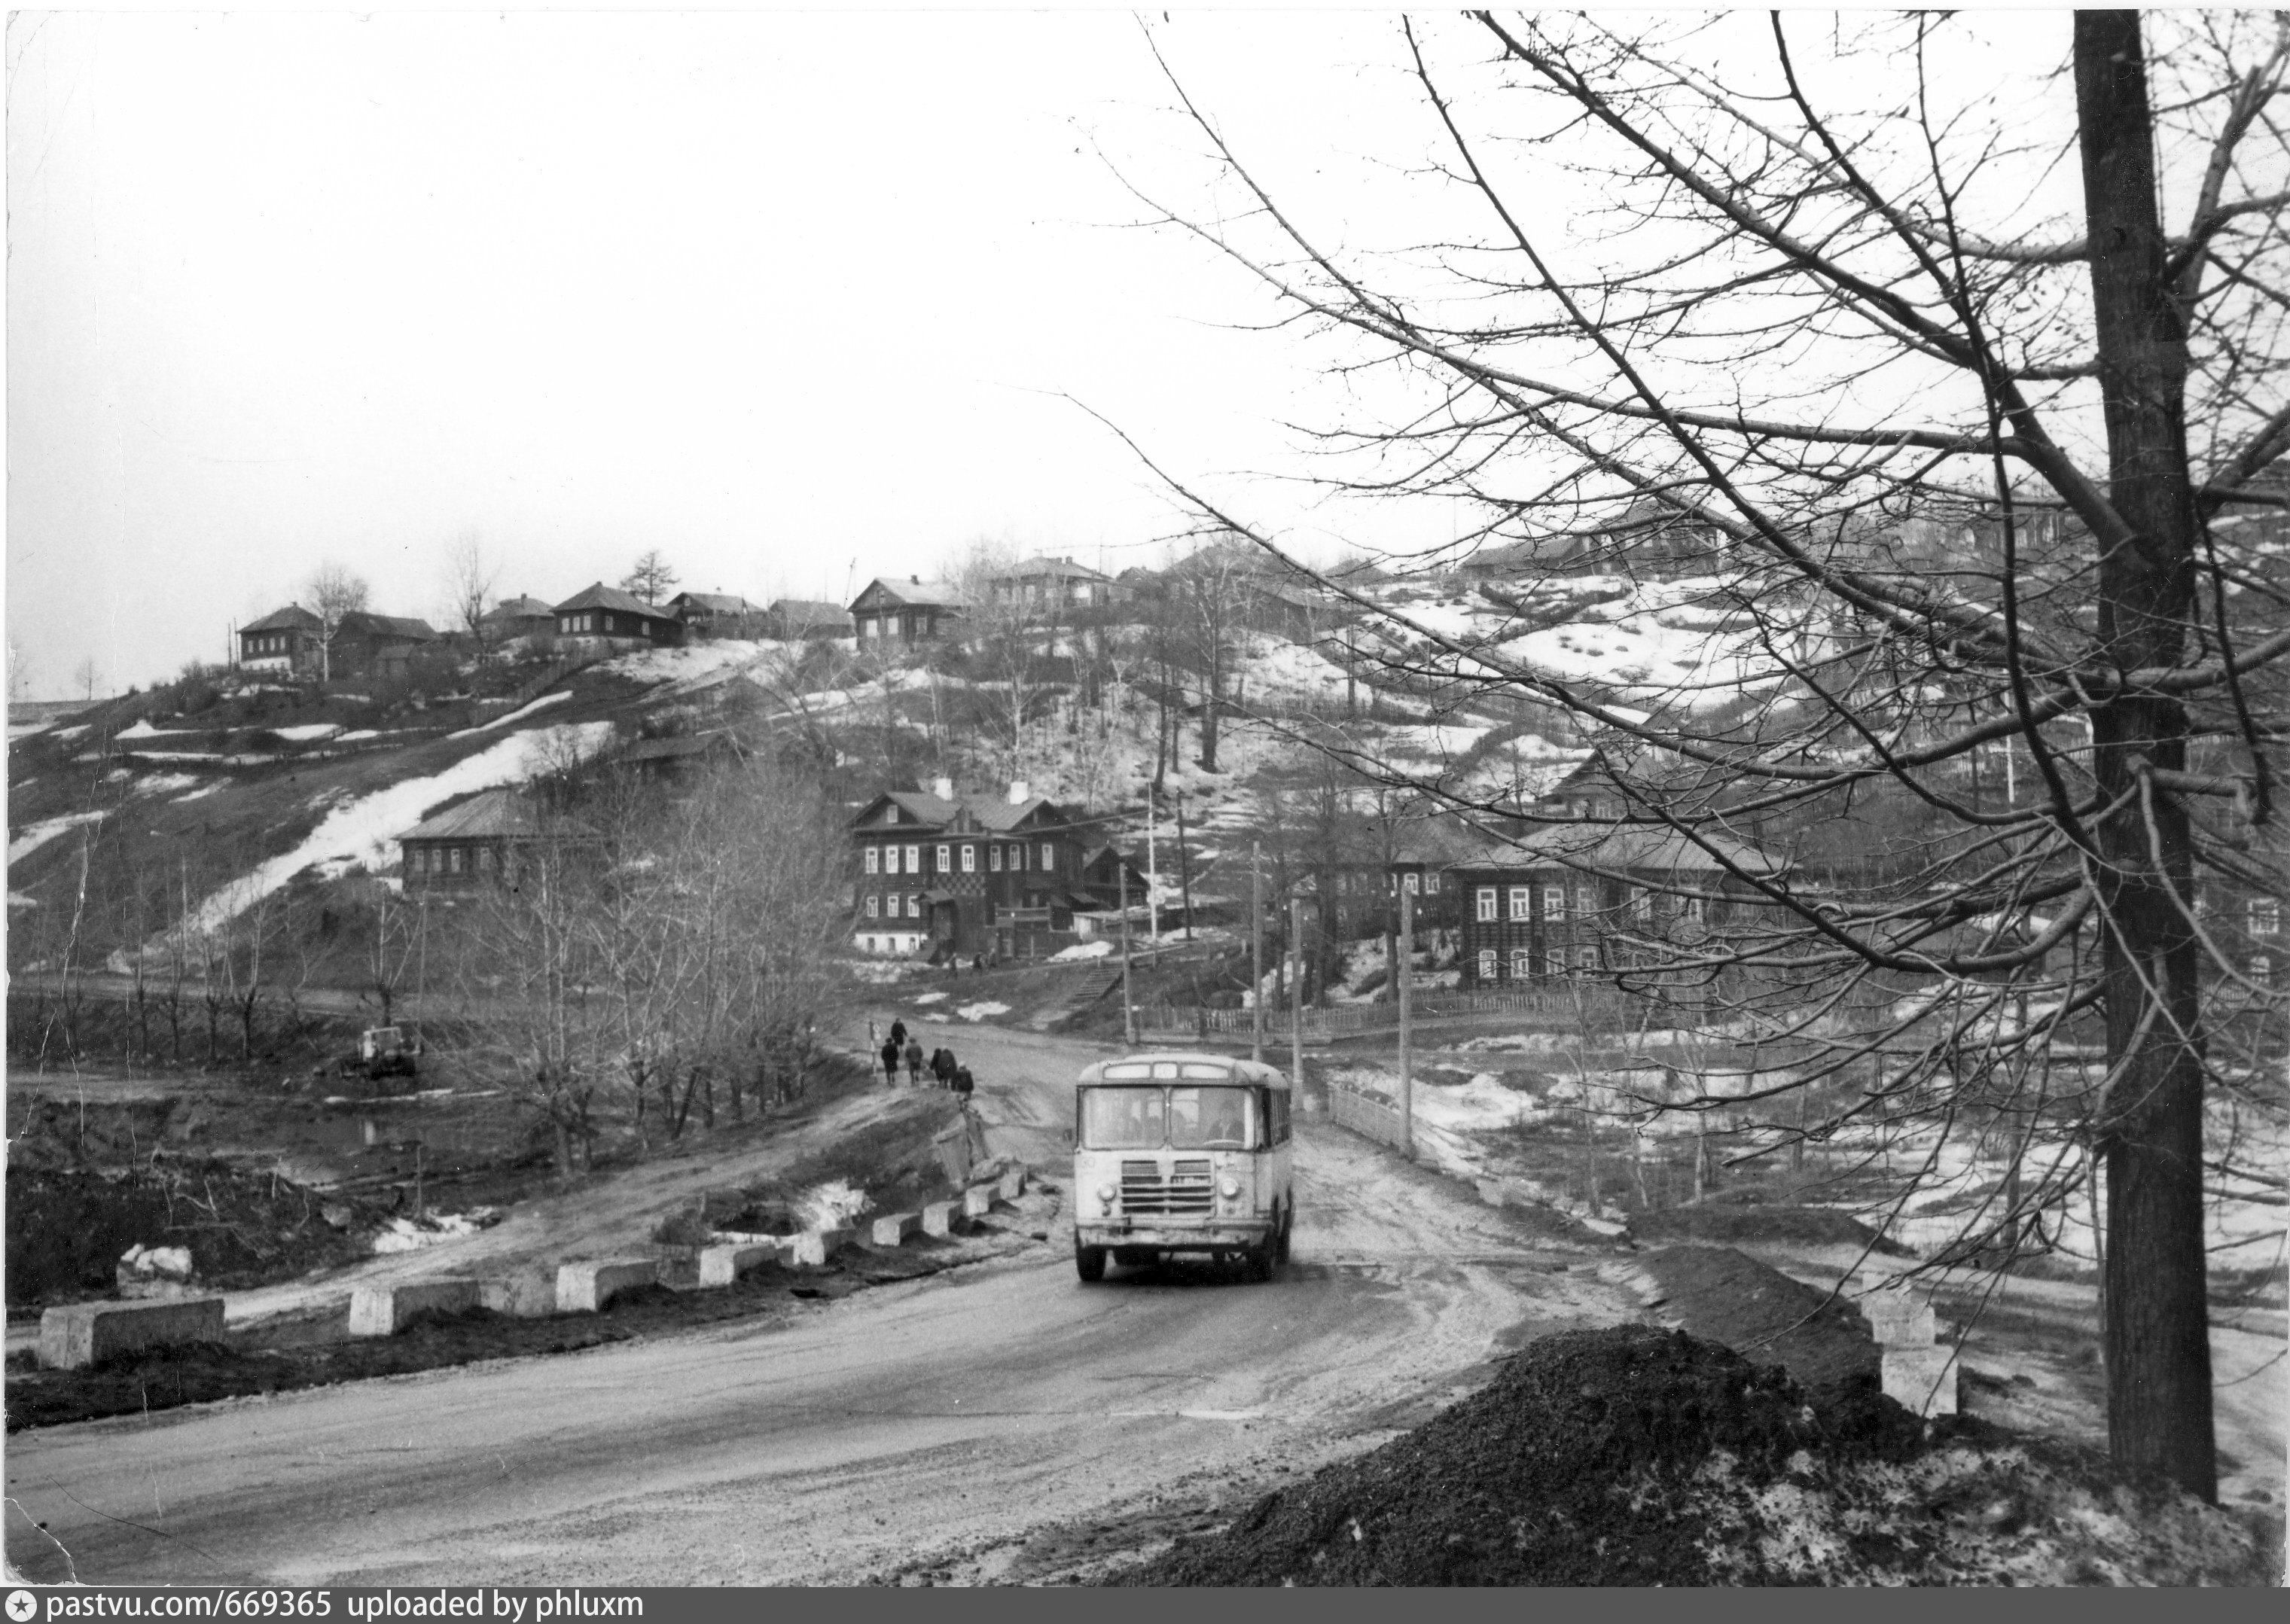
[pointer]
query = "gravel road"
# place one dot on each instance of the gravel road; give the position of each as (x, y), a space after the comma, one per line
(970, 1417)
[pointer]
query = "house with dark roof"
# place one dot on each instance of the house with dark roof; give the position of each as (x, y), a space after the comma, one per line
(367, 645)
(909, 611)
(603, 619)
(957, 876)
(523, 621)
(718, 614)
(289, 640)
(796, 619)
(488, 839)
(1590, 897)
(666, 760)
(1053, 588)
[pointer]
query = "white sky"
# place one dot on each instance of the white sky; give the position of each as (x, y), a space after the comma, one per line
(788, 296)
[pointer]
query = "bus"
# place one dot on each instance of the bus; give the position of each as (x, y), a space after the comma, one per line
(1182, 1152)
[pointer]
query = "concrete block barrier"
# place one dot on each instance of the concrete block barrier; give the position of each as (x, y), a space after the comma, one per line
(585, 1288)
(531, 1295)
(1922, 1379)
(894, 1227)
(1012, 1184)
(722, 1265)
(81, 1333)
(978, 1201)
(385, 1311)
(1901, 1324)
(812, 1248)
(943, 1217)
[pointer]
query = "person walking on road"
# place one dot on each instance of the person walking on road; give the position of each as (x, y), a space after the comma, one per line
(915, 1062)
(898, 1033)
(942, 1067)
(890, 1053)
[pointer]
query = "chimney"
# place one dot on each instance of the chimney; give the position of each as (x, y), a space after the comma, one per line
(915, 579)
(1020, 792)
(942, 788)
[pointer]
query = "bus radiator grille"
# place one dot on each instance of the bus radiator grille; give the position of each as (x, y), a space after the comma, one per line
(1187, 1189)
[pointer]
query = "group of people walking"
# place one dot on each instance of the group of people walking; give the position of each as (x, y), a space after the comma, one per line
(900, 1049)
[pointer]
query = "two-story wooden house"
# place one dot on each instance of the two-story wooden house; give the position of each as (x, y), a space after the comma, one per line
(1054, 589)
(945, 874)
(287, 641)
(1591, 898)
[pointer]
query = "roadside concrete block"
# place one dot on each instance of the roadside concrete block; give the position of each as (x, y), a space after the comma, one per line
(1922, 1379)
(81, 1333)
(978, 1201)
(384, 1310)
(527, 1296)
(722, 1265)
(894, 1227)
(585, 1288)
(812, 1248)
(944, 1217)
(1899, 1322)
(1012, 1185)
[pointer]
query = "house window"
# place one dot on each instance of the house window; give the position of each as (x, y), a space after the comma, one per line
(994, 858)
(452, 859)
(2265, 917)
(1641, 903)
(914, 905)
(1692, 907)
(1586, 958)
(2262, 971)
(890, 860)
(946, 860)
(1554, 902)
(1518, 902)
(1487, 907)
(1049, 855)
(870, 944)
(1520, 968)
(485, 860)
(873, 906)
(874, 860)
(913, 860)
(1413, 885)
(1017, 857)
(1586, 899)
(1554, 963)
(1488, 961)
(970, 860)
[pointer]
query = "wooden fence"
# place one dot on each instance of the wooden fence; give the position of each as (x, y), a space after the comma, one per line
(1600, 1007)
(1368, 1115)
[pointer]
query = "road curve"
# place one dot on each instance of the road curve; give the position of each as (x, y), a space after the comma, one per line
(964, 1412)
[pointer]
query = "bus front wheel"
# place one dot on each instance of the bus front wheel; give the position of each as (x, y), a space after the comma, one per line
(1261, 1261)
(1089, 1263)
(1287, 1222)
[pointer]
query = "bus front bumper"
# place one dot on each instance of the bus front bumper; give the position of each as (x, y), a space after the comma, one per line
(1215, 1234)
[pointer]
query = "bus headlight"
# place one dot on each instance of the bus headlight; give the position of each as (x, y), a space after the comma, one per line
(1229, 1189)
(1105, 1194)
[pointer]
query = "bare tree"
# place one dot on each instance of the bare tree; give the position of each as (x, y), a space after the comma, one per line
(1955, 464)
(334, 592)
(84, 676)
(470, 572)
(650, 578)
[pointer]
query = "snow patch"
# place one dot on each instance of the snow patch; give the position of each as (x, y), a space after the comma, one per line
(39, 833)
(542, 703)
(1082, 950)
(982, 1010)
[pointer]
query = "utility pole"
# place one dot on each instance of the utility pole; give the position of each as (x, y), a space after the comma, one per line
(1296, 997)
(1152, 869)
(1256, 947)
(1403, 967)
(1184, 868)
(1128, 1009)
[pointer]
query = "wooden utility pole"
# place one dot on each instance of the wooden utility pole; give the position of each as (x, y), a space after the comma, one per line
(1403, 967)
(1184, 868)
(1296, 996)
(1128, 1008)
(1256, 948)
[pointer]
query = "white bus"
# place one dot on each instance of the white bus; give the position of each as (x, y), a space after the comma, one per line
(1182, 1152)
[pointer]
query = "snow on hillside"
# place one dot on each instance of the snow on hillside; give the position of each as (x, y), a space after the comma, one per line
(37, 835)
(360, 833)
(695, 666)
(519, 714)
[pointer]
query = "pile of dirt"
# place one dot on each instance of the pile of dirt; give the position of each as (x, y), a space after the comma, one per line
(1760, 1313)
(1633, 1456)
(68, 1227)
(1732, 1223)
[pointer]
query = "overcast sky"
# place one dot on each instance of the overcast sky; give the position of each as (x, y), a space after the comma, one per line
(791, 298)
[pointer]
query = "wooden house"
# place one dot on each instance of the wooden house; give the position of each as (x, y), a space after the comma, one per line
(668, 760)
(944, 876)
(793, 620)
(486, 839)
(604, 619)
(1054, 588)
(366, 644)
(909, 611)
(288, 641)
(519, 622)
(718, 614)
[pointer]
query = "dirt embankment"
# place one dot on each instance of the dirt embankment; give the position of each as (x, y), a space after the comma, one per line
(1634, 1456)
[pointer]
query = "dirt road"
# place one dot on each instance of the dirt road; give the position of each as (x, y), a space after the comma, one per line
(983, 1422)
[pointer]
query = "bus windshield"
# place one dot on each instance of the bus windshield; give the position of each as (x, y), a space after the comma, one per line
(1182, 1119)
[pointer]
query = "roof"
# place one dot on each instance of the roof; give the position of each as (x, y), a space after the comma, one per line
(1238, 1069)
(810, 611)
(388, 625)
(915, 594)
(1063, 569)
(994, 814)
(293, 618)
(713, 603)
(601, 596)
(519, 609)
(1601, 845)
(497, 814)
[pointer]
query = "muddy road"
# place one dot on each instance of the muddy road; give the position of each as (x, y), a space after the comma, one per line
(999, 1421)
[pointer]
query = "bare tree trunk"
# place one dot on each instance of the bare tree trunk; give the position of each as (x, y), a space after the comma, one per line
(2157, 1330)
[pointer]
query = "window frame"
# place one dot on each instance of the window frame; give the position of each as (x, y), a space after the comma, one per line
(873, 858)
(1489, 901)
(1522, 904)
(969, 858)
